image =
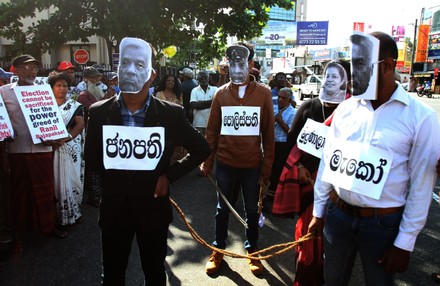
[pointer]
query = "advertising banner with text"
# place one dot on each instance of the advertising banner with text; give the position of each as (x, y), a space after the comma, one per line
(422, 43)
(312, 33)
(434, 46)
(278, 32)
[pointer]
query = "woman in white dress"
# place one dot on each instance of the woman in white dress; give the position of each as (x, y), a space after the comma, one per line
(68, 154)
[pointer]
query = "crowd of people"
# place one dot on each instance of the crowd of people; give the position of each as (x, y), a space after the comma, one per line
(128, 140)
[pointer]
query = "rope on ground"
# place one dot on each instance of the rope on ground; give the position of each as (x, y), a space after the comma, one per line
(284, 247)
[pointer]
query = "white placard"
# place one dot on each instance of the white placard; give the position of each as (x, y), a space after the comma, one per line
(6, 129)
(356, 167)
(132, 148)
(311, 139)
(41, 112)
(39, 80)
(240, 120)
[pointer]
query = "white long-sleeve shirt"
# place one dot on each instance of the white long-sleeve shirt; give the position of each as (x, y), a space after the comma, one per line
(408, 129)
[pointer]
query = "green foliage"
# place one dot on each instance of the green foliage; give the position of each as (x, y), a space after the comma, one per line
(160, 22)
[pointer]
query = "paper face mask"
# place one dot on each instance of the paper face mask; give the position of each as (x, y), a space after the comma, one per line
(364, 65)
(134, 65)
(334, 87)
(238, 63)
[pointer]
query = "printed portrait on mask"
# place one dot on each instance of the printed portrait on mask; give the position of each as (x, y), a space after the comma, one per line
(334, 87)
(134, 64)
(364, 65)
(238, 63)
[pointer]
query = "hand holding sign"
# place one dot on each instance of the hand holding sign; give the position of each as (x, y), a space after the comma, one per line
(41, 112)
(55, 143)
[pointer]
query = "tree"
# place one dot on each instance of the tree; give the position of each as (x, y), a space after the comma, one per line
(160, 22)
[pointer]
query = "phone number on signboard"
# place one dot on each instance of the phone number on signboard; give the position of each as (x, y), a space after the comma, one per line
(312, 42)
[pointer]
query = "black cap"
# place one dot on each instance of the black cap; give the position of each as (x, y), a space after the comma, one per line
(111, 75)
(237, 53)
(91, 72)
(24, 59)
(98, 67)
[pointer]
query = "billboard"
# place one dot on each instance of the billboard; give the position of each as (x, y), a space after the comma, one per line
(312, 33)
(278, 33)
(433, 15)
(434, 46)
(322, 55)
(398, 33)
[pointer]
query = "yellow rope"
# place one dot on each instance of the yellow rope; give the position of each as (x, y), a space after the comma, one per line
(284, 247)
(262, 193)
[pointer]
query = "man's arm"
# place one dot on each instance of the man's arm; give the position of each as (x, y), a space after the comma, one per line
(279, 119)
(322, 189)
(267, 134)
(93, 143)
(212, 134)
(421, 165)
(191, 140)
(201, 104)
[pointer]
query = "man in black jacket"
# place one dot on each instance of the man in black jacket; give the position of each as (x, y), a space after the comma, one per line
(129, 143)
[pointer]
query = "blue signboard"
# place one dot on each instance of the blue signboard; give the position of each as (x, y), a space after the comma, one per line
(434, 46)
(312, 33)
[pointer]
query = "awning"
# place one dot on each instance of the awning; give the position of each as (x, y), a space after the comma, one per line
(424, 74)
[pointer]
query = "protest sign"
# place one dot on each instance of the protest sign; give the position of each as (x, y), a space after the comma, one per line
(240, 120)
(356, 167)
(41, 112)
(132, 148)
(5, 123)
(311, 139)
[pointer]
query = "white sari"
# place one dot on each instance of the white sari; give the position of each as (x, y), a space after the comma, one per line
(69, 169)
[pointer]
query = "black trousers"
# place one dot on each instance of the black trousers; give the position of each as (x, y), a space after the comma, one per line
(280, 156)
(116, 246)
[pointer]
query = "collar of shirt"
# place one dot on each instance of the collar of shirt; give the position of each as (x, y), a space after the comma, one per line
(399, 94)
(133, 118)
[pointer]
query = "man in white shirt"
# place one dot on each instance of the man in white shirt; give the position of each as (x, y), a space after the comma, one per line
(396, 136)
(201, 99)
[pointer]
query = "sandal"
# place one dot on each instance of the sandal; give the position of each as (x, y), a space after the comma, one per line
(436, 277)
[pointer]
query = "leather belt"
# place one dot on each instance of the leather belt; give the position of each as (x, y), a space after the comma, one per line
(359, 211)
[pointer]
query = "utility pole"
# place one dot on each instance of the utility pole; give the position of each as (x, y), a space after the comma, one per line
(414, 48)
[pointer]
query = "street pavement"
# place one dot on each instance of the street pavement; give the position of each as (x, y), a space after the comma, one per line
(76, 260)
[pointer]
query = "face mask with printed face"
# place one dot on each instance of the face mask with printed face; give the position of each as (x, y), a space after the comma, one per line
(134, 65)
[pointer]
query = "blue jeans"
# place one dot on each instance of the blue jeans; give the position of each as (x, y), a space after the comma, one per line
(345, 236)
(229, 180)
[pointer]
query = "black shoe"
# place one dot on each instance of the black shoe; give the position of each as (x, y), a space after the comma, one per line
(79, 220)
(5, 236)
(94, 202)
(436, 277)
(59, 233)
